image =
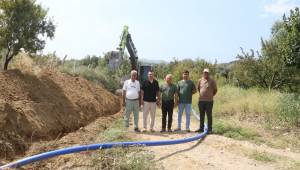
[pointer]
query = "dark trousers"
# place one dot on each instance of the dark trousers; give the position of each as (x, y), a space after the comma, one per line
(205, 107)
(167, 109)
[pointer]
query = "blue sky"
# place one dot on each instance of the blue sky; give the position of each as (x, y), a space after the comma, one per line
(163, 29)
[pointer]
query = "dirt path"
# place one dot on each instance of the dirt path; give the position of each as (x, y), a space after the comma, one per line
(214, 152)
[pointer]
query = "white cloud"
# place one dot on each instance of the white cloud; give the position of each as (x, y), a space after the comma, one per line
(278, 7)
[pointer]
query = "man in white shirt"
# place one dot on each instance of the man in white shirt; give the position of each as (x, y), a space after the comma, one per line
(131, 99)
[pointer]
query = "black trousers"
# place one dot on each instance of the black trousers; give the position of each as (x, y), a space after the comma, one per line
(205, 107)
(167, 110)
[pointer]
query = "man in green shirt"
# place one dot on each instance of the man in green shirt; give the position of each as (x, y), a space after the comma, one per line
(169, 94)
(186, 88)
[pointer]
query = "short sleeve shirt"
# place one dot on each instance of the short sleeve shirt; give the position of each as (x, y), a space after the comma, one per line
(150, 90)
(185, 91)
(132, 89)
(168, 91)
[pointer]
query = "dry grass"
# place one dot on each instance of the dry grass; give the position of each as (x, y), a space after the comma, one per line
(257, 115)
(122, 158)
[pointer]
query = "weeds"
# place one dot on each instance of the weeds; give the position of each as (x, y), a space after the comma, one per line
(269, 107)
(263, 156)
(133, 158)
(227, 129)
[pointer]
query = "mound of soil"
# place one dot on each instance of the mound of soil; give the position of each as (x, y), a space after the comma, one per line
(46, 106)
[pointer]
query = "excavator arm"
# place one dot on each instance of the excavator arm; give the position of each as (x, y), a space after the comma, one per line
(126, 41)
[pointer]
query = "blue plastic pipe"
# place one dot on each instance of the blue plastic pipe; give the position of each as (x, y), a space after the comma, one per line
(76, 149)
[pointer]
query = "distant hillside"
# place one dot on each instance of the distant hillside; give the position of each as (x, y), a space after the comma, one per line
(149, 61)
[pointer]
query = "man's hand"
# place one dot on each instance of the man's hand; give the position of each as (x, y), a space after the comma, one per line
(142, 102)
(158, 103)
(176, 103)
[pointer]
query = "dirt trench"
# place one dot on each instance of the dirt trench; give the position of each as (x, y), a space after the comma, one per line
(46, 106)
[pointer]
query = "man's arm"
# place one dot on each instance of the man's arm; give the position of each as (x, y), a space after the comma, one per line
(141, 96)
(176, 99)
(215, 88)
(123, 97)
(140, 101)
(158, 97)
(198, 85)
(157, 94)
(194, 89)
(124, 93)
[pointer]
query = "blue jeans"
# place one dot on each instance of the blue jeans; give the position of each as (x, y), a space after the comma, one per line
(187, 108)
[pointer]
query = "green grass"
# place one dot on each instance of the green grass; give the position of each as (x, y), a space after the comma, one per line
(95, 75)
(272, 108)
(229, 129)
(263, 156)
(295, 166)
(117, 133)
(257, 115)
(135, 158)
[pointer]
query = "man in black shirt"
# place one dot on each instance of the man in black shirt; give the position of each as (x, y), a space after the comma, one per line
(150, 97)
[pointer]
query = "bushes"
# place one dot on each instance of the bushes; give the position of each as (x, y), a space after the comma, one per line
(273, 107)
(289, 109)
(97, 75)
(231, 130)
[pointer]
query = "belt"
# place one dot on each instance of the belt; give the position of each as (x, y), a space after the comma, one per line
(131, 99)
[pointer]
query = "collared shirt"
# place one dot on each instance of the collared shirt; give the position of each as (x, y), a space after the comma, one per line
(168, 91)
(150, 90)
(185, 91)
(132, 89)
(206, 89)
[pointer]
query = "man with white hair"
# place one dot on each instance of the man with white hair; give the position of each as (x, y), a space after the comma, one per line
(207, 89)
(131, 99)
(169, 99)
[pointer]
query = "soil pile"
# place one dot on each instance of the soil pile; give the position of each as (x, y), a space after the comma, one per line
(46, 106)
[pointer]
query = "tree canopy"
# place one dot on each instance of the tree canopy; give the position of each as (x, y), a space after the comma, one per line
(23, 24)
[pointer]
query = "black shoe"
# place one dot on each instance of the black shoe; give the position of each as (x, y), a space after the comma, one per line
(169, 130)
(188, 130)
(162, 131)
(209, 132)
(199, 131)
(137, 130)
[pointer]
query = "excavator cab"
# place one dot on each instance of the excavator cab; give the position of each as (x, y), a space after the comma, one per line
(116, 57)
(143, 72)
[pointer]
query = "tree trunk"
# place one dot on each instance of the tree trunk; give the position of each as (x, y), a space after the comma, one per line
(5, 65)
(7, 60)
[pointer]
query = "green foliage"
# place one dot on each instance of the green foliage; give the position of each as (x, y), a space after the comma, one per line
(23, 24)
(278, 65)
(236, 132)
(268, 70)
(90, 61)
(95, 69)
(122, 158)
(248, 71)
(263, 156)
(290, 44)
(289, 109)
(195, 67)
(271, 107)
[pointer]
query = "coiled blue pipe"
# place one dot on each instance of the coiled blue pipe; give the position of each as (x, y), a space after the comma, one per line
(76, 149)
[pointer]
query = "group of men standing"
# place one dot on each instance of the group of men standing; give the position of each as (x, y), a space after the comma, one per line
(149, 95)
